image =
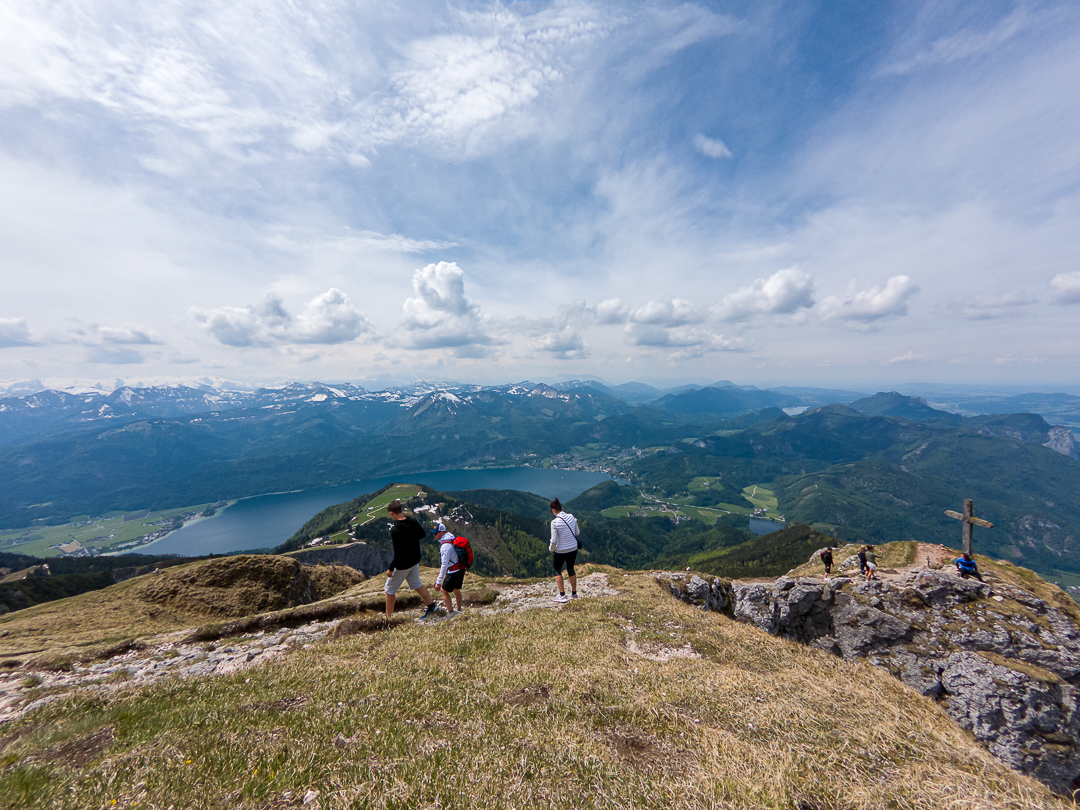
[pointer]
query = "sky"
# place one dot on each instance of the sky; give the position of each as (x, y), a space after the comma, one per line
(806, 193)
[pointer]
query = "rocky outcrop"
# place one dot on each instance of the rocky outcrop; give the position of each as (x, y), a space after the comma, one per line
(366, 559)
(1062, 441)
(1003, 664)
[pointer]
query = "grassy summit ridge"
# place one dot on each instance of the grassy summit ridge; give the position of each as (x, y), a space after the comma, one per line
(632, 700)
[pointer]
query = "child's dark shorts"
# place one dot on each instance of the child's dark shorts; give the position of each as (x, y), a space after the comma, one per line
(453, 581)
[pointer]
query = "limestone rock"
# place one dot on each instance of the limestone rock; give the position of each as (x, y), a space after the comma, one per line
(1062, 441)
(1007, 670)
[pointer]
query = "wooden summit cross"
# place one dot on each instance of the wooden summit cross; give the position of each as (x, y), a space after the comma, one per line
(970, 522)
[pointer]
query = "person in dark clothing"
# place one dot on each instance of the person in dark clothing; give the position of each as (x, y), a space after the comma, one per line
(862, 560)
(826, 559)
(967, 567)
(405, 534)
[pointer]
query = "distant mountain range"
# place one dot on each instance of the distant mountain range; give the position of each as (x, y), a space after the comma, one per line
(876, 468)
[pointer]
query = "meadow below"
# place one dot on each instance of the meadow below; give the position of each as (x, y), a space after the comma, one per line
(626, 700)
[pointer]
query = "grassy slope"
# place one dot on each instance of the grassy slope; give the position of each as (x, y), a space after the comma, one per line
(512, 710)
(178, 598)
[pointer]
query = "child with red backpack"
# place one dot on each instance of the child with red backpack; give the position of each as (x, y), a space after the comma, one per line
(456, 557)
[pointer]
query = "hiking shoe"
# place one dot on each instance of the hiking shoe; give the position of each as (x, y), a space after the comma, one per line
(562, 597)
(453, 613)
(573, 596)
(430, 611)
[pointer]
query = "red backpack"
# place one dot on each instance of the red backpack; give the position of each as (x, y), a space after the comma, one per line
(464, 552)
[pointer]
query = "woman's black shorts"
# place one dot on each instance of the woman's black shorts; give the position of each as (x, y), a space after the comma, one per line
(566, 559)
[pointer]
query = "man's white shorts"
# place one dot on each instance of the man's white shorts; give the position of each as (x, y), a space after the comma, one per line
(410, 575)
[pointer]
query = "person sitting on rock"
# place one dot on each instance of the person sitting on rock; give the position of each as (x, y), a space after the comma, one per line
(967, 567)
(871, 563)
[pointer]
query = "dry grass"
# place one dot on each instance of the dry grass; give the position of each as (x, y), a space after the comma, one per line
(87, 626)
(889, 556)
(533, 709)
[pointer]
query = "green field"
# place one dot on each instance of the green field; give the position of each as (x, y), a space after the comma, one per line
(703, 483)
(102, 533)
(761, 497)
(707, 515)
(376, 507)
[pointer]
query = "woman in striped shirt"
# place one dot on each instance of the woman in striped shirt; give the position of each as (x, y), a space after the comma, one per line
(564, 545)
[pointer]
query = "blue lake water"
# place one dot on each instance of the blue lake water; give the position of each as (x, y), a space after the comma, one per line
(269, 520)
(759, 526)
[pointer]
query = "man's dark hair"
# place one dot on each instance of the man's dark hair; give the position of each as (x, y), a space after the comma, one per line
(395, 507)
(555, 505)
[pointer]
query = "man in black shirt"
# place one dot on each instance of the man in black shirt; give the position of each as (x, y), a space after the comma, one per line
(405, 534)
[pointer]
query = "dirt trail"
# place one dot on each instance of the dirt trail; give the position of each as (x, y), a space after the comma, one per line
(927, 555)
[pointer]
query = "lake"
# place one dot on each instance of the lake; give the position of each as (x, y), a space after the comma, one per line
(759, 526)
(266, 521)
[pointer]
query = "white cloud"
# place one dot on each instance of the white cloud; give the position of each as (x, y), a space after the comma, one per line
(14, 332)
(114, 355)
(564, 344)
(129, 333)
(232, 326)
(910, 357)
(682, 337)
(667, 313)
(329, 318)
(961, 45)
(871, 304)
(1066, 287)
(560, 336)
(987, 307)
(440, 316)
(710, 147)
(782, 293)
(612, 311)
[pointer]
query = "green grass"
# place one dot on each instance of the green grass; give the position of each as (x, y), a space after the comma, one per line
(702, 483)
(101, 533)
(376, 507)
(761, 497)
(514, 711)
(619, 511)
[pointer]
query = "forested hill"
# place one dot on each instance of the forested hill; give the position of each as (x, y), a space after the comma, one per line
(516, 543)
(879, 468)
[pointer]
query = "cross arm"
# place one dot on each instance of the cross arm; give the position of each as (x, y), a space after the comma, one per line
(986, 524)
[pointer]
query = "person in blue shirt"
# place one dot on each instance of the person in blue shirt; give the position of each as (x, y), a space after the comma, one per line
(967, 567)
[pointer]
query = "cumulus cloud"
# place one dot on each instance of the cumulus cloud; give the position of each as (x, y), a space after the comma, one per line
(667, 313)
(869, 305)
(560, 336)
(14, 332)
(612, 311)
(986, 307)
(329, 318)
(711, 147)
(233, 326)
(782, 293)
(682, 337)
(1066, 287)
(440, 315)
(670, 323)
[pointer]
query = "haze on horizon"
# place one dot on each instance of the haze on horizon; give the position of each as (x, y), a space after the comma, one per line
(825, 193)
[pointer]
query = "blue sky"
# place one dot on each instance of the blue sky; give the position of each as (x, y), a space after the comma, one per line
(830, 193)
